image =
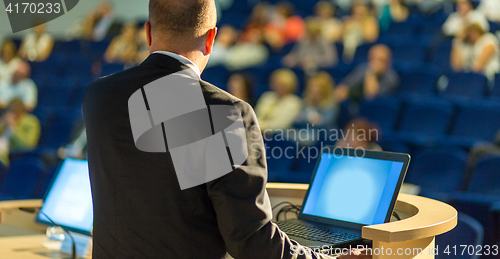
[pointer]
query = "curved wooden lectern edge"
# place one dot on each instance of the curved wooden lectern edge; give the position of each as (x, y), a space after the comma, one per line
(430, 218)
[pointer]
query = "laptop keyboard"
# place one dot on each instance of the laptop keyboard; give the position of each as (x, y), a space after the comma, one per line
(317, 234)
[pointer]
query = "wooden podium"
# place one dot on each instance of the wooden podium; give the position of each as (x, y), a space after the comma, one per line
(411, 237)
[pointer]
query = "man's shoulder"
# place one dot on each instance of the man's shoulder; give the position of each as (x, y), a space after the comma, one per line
(216, 96)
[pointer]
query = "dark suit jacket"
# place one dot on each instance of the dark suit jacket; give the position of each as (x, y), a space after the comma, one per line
(140, 210)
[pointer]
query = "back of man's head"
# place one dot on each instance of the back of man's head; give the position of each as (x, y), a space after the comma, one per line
(185, 21)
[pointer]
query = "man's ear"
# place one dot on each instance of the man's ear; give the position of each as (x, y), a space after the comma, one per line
(209, 43)
(147, 27)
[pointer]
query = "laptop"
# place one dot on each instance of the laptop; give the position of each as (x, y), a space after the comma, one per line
(349, 189)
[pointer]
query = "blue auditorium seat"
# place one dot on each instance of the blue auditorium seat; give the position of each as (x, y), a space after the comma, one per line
(465, 86)
(441, 56)
(409, 52)
(468, 232)
(57, 132)
(21, 179)
(361, 54)
(474, 122)
(418, 83)
(383, 111)
(437, 170)
(98, 48)
(68, 47)
(236, 20)
(486, 176)
(56, 92)
(405, 29)
(425, 120)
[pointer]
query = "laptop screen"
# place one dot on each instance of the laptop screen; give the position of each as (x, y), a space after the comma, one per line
(69, 199)
(353, 189)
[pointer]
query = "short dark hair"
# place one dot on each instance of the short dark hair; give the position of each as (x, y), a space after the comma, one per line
(187, 17)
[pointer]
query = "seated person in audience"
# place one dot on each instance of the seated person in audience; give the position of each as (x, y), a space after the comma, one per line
(259, 18)
(142, 46)
(249, 53)
(36, 46)
(476, 51)
(8, 62)
(331, 27)
(367, 81)
(319, 109)
(360, 27)
(19, 131)
(22, 87)
(313, 51)
(123, 48)
(241, 86)
(394, 11)
(360, 134)
(278, 108)
(226, 38)
(284, 26)
(491, 9)
(464, 16)
(98, 22)
(78, 146)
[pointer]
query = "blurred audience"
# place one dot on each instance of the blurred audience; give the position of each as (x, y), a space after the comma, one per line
(367, 81)
(21, 87)
(123, 48)
(241, 86)
(394, 11)
(360, 27)
(320, 108)
(331, 27)
(19, 130)
(8, 61)
(491, 9)
(284, 27)
(313, 51)
(477, 51)
(360, 134)
(37, 45)
(464, 16)
(278, 108)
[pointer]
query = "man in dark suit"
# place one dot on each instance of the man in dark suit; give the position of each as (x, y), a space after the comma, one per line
(140, 209)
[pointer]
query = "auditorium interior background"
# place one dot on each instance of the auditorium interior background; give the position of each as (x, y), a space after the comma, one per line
(411, 76)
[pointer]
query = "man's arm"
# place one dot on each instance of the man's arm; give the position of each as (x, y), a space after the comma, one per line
(243, 207)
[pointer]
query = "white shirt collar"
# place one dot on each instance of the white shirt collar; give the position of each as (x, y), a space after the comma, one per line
(182, 59)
